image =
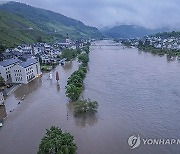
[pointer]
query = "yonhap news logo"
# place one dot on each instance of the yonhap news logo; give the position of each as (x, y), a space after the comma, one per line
(135, 141)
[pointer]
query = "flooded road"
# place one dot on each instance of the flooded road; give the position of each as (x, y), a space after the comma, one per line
(137, 92)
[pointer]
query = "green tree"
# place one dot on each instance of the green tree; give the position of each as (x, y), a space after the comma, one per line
(73, 92)
(57, 142)
(76, 80)
(78, 50)
(39, 39)
(2, 82)
(2, 48)
(69, 54)
(85, 107)
(86, 49)
(84, 58)
(140, 43)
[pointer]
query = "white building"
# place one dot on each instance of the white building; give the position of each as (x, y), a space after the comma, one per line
(45, 59)
(169, 46)
(26, 49)
(5, 67)
(65, 43)
(25, 71)
(159, 46)
(38, 49)
(47, 48)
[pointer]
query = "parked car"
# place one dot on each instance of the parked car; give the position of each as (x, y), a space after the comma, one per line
(9, 85)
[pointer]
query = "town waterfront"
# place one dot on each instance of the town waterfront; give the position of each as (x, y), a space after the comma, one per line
(137, 92)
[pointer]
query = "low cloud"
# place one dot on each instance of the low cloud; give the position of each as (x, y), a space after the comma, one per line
(100, 13)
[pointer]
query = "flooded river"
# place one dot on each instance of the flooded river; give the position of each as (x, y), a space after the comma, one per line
(138, 94)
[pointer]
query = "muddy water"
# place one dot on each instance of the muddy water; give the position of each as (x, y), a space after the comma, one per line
(138, 93)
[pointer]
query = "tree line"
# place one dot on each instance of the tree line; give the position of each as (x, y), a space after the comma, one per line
(56, 141)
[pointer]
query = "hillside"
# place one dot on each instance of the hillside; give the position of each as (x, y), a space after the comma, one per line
(53, 23)
(15, 30)
(129, 31)
(168, 34)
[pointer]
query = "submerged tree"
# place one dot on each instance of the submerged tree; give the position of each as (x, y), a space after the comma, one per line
(84, 58)
(85, 107)
(73, 92)
(57, 142)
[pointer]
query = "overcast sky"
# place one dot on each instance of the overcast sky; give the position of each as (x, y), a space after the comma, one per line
(100, 13)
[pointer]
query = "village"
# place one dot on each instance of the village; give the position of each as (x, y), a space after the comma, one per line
(158, 42)
(26, 62)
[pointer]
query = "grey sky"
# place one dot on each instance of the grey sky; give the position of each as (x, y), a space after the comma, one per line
(148, 13)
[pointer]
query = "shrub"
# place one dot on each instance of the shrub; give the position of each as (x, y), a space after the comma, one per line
(85, 107)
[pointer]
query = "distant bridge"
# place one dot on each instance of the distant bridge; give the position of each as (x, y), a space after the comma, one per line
(101, 45)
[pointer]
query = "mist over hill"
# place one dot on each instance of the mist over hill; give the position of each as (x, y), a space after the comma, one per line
(130, 31)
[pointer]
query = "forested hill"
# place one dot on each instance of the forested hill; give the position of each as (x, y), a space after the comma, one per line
(130, 31)
(168, 34)
(46, 21)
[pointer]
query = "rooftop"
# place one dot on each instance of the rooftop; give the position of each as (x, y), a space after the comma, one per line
(29, 62)
(8, 62)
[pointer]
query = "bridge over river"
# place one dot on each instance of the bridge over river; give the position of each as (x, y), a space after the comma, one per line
(100, 45)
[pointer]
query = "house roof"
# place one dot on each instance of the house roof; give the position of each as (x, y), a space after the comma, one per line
(8, 62)
(29, 62)
(6, 54)
(26, 50)
(17, 53)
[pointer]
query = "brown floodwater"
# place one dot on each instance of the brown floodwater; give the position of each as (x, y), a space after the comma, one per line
(137, 92)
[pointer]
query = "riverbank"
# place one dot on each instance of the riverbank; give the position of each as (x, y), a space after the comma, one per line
(153, 50)
(159, 51)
